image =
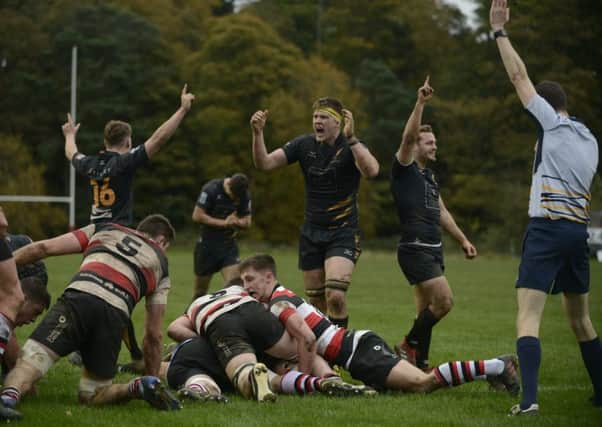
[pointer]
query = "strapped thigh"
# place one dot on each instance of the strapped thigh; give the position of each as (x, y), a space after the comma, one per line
(313, 293)
(338, 285)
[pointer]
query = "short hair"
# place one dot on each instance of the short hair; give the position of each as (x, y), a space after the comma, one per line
(35, 290)
(116, 132)
(329, 102)
(239, 184)
(425, 128)
(157, 225)
(553, 93)
(259, 262)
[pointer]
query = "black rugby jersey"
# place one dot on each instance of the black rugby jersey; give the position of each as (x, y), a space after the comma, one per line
(111, 175)
(331, 180)
(416, 195)
(216, 203)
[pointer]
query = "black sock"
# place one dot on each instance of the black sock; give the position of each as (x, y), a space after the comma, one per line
(591, 352)
(339, 322)
(419, 336)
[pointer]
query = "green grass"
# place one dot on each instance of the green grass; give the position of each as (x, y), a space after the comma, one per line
(481, 325)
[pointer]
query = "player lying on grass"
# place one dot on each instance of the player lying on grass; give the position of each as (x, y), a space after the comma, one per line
(363, 353)
(236, 327)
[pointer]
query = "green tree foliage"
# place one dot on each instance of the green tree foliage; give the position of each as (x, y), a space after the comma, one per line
(20, 175)
(280, 55)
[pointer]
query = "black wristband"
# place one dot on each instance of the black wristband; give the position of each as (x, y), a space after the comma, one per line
(352, 141)
(500, 33)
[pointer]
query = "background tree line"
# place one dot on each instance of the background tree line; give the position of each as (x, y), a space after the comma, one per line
(134, 56)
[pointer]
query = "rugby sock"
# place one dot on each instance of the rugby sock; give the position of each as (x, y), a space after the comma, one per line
(295, 382)
(419, 336)
(591, 352)
(10, 396)
(198, 388)
(134, 387)
(342, 323)
(452, 374)
(529, 358)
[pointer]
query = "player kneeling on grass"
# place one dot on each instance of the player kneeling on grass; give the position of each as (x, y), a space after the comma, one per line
(221, 333)
(120, 266)
(363, 353)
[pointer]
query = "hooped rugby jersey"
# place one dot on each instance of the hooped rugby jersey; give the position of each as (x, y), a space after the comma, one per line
(121, 266)
(204, 310)
(334, 343)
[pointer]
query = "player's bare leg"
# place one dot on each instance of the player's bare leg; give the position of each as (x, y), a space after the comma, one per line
(201, 285)
(313, 281)
(230, 272)
(338, 271)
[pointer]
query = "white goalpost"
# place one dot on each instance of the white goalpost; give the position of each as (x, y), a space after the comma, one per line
(70, 199)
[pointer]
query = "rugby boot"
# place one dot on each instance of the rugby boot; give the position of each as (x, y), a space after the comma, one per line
(186, 393)
(508, 379)
(157, 395)
(532, 410)
(260, 384)
(406, 351)
(335, 386)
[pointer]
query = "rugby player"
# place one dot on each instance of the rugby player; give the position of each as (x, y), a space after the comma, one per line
(363, 353)
(422, 213)
(237, 327)
(222, 208)
(119, 268)
(332, 162)
(555, 252)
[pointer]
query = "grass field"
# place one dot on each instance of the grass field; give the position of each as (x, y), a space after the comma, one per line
(481, 325)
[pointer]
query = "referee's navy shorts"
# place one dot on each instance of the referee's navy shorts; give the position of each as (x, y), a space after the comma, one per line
(555, 257)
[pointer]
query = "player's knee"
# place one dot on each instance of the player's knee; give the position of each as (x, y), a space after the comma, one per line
(241, 380)
(36, 356)
(89, 388)
(583, 328)
(442, 306)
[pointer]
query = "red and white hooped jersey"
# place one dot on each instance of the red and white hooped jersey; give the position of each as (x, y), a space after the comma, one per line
(334, 343)
(204, 310)
(121, 266)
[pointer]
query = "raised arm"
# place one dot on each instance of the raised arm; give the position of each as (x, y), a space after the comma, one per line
(261, 159)
(365, 162)
(69, 131)
(167, 129)
(449, 224)
(64, 244)
(499, 14)
(405, 154)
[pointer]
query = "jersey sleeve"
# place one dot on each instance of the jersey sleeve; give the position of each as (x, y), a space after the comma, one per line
(84, 234)
(244, 207)
(397, 169)
(206, 199)
(543, 112)
(132, 159)
(160, 294)
(292, 150)
(81, 163)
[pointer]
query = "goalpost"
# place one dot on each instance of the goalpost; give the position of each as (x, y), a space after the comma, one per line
(70, 199)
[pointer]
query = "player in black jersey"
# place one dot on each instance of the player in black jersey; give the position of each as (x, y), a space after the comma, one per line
(111, 171)
(111, 174)
(421, 214)
(332, 162)
(222, 208)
